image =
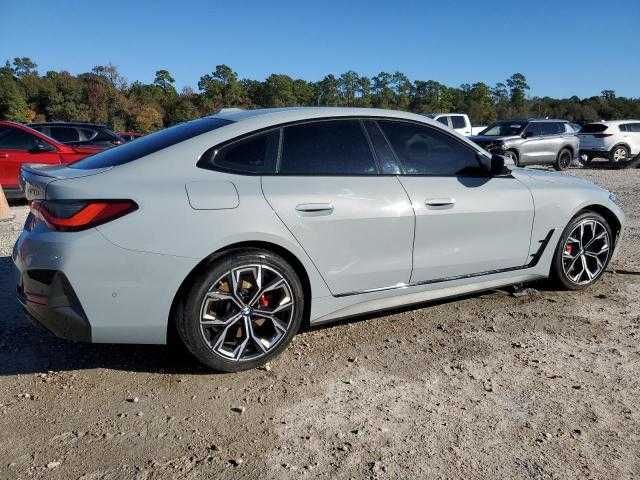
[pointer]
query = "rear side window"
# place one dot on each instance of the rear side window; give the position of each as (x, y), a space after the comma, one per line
(149, 144)
(65, 134)
(427, 151)
(630, 127)
(334, 147)
(457, 121)
(594, 128)
(256, 154)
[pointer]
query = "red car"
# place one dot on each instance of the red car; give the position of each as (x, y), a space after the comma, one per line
(20, 145)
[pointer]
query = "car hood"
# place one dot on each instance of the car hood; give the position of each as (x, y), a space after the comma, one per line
(487, 138)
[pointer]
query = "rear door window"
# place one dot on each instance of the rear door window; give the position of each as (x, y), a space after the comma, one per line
(332, 147)
(634, 127)
(457, 121)
(151, 143)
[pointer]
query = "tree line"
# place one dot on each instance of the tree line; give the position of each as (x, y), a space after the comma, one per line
(104, 95)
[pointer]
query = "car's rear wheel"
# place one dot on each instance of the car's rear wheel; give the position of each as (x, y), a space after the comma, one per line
(583, 252)
(242, 311)
(619, 156)
(563, 160)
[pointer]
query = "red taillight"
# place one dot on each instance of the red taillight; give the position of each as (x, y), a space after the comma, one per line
(72, 216)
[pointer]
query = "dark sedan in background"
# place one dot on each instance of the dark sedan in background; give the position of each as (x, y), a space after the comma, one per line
(79, 133)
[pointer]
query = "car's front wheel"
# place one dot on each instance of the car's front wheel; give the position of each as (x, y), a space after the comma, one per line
(242, 311)
(583, 252)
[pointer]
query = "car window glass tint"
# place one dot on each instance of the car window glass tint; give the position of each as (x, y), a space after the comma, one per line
(634, 127)
(151, 143)
(386, 160)
(65, 134)
(458, 121)
(255, 154)
(444, 120)
(17, 140)
(335, 147)
(427, 151)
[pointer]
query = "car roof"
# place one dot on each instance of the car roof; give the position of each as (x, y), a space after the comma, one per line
(291, 114)
(68, 124)
(615, 122)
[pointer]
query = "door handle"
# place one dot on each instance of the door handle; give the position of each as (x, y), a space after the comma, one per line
(314, 207)
(440, 202)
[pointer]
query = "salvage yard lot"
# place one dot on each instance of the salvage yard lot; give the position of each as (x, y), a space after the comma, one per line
(537, 384)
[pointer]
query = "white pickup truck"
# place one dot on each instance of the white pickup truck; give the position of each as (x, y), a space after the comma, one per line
(458, 121)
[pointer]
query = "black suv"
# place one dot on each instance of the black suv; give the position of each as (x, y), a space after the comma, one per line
(79, 133)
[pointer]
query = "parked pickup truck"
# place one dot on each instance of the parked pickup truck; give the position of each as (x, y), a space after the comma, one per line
(458, 121)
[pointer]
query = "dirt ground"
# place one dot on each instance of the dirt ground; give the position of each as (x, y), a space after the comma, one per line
(539, 385)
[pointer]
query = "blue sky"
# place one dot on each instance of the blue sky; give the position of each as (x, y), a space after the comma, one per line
(564, 48)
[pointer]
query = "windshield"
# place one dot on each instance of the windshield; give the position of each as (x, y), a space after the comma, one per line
(149, 144)
(504, 129)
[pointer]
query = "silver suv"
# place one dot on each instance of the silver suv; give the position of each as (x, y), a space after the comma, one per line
(531, 142)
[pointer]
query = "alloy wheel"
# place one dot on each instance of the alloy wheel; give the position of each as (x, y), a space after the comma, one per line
(586, 252)
(620, 154)
(565, 159)
(246, 312)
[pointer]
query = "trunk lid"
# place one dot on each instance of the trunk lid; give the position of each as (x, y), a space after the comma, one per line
(34, 179)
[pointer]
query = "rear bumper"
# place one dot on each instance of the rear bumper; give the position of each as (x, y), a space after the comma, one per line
(593, 152)
(49, 300)
(82, 287)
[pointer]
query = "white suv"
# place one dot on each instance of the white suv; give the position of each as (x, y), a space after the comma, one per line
(619, 141)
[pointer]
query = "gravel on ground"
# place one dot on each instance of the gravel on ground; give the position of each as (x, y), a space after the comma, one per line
(544, 384)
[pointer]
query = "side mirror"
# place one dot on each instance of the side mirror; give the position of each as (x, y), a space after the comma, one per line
(493, 165)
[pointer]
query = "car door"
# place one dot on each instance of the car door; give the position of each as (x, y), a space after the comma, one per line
(354, 223)
(467, 221)
(634, 141)
(538, 145)
(18, 147)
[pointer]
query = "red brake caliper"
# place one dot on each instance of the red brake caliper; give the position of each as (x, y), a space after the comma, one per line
(568, 249)
(264, 300)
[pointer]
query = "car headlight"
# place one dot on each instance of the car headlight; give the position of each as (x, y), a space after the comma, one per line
(615, 199)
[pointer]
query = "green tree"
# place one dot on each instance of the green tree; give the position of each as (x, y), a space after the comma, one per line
(165, 81)
(222, 88)
(23, 66)
(279, 91)
(13, 104)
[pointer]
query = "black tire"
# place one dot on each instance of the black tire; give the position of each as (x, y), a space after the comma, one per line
(188, 321)
(563, 160)
(586, 161)
(619, 156)
(558, 271)
(513, 156)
